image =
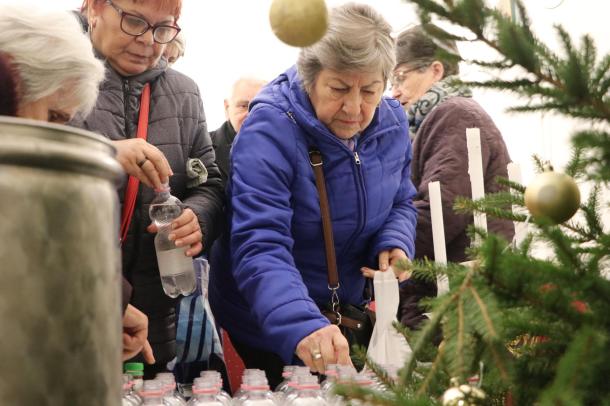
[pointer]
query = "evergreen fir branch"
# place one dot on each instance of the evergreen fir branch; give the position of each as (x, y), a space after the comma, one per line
(517, 187)
(575, 377)
(562, 248)
(461, 370)
(431, 326)
(597, 143)
(539, 163)
(372, 397)
(526, 245)
(577, 165)
(576, 111)
(379, 372)
(520, 46)
(591, 212)
(601, 70)
(485, 205)
(500, 65)
(432, 372)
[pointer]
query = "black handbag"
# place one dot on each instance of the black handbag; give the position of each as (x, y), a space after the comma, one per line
(355, 322)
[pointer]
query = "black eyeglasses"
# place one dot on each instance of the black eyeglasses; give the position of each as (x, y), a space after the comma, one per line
(133, 25)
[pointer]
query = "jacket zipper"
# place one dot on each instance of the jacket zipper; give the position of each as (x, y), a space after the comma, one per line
(126, 107)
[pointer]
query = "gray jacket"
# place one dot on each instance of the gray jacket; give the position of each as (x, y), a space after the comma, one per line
(177, 126)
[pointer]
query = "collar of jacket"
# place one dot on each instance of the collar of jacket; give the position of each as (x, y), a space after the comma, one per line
(227, 132)
(286, 92)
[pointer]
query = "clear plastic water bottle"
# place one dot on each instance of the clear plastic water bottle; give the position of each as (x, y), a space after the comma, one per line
(255, 392)
(307, 393)
(136, 371)
(128, 393)
(152, 393)
(215, 377)
(176, 269)
(126, 399)
(170, 396)
(207, 393)
(245, 379)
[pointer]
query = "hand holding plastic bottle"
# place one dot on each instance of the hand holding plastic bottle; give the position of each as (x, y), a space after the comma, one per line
(178, 238)
(186, 232)
(143, 161)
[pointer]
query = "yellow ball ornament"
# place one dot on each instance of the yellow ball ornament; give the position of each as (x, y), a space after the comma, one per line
(299, 23)
(552, 195)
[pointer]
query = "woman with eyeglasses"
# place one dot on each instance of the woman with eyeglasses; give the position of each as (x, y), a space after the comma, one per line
(131, 36)
(439, 113)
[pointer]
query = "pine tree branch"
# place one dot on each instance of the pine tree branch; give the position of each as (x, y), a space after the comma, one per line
(435, 365)
(490, 327)
(518, 187)
(520, 46)
(460, 340)
(431, 326)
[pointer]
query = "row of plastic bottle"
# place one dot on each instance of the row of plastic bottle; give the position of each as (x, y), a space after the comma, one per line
(299, 388)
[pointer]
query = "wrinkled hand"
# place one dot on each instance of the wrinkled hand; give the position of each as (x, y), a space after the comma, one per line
(143, 161)
(323, 347)
(388, 258)
(135, 335)
(185, 232)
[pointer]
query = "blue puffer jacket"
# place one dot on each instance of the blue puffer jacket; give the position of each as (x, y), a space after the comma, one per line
(268, 276)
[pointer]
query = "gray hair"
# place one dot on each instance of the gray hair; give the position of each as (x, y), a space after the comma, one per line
(358, 38)
(179, 43)
(418, 48)
(49, 52)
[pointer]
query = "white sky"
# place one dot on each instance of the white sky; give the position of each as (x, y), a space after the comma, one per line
(229, 38)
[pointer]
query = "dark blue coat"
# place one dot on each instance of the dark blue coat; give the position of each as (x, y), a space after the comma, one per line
(269, 275)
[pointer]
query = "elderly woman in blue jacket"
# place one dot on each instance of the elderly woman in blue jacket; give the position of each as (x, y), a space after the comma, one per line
(269, 276)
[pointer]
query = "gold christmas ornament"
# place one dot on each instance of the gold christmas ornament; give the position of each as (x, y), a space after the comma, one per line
(552, 195)
(299, 23)
(462, 395)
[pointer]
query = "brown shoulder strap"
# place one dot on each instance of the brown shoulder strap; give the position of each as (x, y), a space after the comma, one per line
(315, 158)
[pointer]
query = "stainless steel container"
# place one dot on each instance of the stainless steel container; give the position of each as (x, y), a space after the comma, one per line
(60, 316)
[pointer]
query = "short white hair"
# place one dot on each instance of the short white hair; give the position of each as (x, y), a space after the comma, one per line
(49, 52)
(358, 39)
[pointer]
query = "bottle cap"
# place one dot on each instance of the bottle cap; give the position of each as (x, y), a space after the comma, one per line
(131, 367)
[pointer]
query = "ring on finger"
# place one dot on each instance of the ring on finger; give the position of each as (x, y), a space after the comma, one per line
(316, 355)
(142, 162)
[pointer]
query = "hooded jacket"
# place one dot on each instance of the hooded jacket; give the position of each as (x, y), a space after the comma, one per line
(269, 277)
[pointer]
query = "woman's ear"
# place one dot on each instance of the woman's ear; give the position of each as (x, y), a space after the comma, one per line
(438, 70)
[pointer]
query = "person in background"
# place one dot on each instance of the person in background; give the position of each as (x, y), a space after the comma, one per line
(269, 278)
(131, 37)
(175, 49)
(236, 111)
(54, 84)
(439, 114)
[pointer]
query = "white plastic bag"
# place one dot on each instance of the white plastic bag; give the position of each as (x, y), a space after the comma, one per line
(387, 346)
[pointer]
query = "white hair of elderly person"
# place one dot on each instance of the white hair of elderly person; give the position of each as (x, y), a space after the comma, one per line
(175, 49)
(58, 75)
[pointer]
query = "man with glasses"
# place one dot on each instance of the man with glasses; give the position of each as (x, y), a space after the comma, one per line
(439, 113)
(131, 37)
(236, 111)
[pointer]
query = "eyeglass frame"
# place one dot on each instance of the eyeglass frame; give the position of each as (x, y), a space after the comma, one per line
(403, 73)
(149, 26)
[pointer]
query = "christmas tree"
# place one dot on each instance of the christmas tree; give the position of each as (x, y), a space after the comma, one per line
(529, 330)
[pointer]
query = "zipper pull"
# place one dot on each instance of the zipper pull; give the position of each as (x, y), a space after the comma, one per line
(356, 158)
(289, 114)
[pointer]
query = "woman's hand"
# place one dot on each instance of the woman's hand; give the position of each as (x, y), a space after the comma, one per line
(323, 347)
(135, 335)
(185, 232)
(388, 258)
(143, 161)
